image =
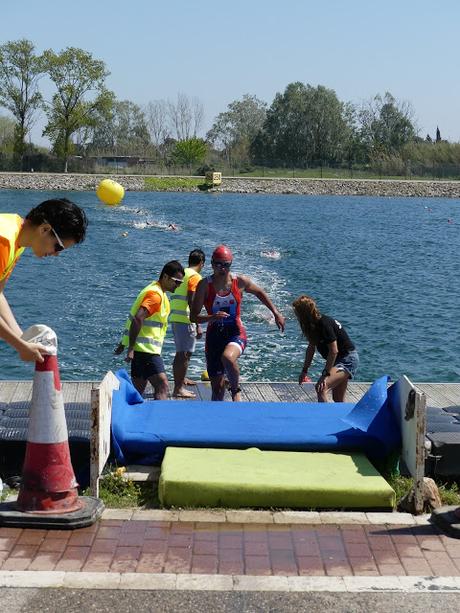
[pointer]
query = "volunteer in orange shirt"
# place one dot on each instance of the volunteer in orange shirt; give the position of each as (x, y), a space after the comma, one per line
(145, 331)
(48, 229)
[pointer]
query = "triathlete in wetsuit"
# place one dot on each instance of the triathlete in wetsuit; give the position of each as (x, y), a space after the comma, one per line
(221, 295)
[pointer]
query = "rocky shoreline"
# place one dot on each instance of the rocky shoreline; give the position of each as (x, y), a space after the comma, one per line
(314, 187)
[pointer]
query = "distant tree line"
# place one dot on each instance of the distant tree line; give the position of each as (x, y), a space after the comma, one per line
(304, 126)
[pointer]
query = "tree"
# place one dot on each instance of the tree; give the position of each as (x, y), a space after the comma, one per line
(7, 131)
(235, 129)
(76, 74)
(186, 116)
(122, 130)
(156, 113)
(189, 152)
(387, 125)
(304, 125)
(20, 71)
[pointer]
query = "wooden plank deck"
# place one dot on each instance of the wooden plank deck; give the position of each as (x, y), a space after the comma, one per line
(19, 393)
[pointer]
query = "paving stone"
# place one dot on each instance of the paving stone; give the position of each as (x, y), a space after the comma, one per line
(297, 517)
(391, 518)
(343, 518)
(147, 581)
(260, 584)
(204, 582)
(202, 516)
(92, 580)
(249, 517)
(31, 579)
(316, 584)
(118, 513)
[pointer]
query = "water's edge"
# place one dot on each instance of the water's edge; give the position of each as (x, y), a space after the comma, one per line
(313, 187)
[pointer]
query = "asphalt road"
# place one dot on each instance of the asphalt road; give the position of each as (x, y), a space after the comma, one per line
(27, 600)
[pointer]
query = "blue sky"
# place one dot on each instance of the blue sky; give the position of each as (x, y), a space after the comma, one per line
(220, 51)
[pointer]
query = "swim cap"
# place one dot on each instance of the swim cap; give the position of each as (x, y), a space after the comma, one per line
(222, 252)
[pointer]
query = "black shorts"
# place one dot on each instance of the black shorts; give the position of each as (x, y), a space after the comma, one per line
(145, 365)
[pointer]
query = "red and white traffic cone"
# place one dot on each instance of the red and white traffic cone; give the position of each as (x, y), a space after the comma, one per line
(48, 497)
(48, 481)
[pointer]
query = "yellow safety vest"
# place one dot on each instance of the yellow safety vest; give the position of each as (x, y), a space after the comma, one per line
(151, 335)
(180, 311)
(10, 226)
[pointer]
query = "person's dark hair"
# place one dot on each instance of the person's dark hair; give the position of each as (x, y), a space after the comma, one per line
(66, 218)
(195, 257)
(172, 268)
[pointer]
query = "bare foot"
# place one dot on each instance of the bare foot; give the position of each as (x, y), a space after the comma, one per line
(189, 382)
(183, 393)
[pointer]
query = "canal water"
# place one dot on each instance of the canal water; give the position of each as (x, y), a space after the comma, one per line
(387, 268)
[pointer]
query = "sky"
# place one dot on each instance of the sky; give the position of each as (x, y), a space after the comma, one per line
(218, 51)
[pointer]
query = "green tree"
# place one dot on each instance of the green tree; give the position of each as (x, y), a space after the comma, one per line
(20, 71)
(235, 129)
(7, 132)
(81, 98)
(189, 152)
(386, 125)
(304, 125)
(123, 131)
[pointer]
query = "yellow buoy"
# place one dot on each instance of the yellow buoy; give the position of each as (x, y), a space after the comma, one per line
(204, 375)
(110, 192)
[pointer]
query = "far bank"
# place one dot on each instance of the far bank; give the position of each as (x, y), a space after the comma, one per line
(311, 187)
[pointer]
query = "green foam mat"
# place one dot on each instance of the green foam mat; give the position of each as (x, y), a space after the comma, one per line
(253, 478)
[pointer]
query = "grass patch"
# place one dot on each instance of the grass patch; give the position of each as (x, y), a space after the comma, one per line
(449, 492)
(117, 492)
(163, 184)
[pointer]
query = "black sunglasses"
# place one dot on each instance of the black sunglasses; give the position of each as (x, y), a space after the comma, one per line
(222, 264)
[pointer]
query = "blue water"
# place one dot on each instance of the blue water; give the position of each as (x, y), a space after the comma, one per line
(387, 268)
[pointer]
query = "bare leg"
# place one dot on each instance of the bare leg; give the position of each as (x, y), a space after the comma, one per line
(160, 386)
(180, 366)
(139, 384)
(338, 393)
(230, 361)
(218, 387)
(337, 379)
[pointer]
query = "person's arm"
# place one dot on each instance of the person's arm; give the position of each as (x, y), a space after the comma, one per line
(10, 332)
(197, 305)
(134, 329)
(250, 287)
(309, 353)
(7, 314)
(190, 297)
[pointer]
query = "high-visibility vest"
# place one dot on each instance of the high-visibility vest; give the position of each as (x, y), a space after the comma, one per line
(10, 226)
(151, 335)
(180, 311)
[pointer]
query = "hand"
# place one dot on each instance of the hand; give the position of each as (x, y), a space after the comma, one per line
(280, 321)
(321, 384)
(32, 352)
(221, 315)
(129, 356)
(199, 331)
(119, 349)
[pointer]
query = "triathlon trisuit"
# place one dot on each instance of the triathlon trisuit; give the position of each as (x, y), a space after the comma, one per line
(221, 332)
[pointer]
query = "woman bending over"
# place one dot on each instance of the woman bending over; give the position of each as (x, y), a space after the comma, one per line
(329, 337)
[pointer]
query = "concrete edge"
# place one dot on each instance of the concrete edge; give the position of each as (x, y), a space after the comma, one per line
(245, 516)
(224, 583)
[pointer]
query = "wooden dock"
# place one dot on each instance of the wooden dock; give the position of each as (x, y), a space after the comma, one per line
(19, 393)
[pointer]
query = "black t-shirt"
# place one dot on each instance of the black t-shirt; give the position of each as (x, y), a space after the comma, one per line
(330, 330)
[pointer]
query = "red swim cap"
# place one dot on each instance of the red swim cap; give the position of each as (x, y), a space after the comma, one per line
(222, 252)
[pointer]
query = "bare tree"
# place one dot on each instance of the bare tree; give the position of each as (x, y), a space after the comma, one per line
(186, 116)
(156, 114)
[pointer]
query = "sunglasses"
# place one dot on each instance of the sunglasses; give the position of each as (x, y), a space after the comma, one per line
(177, 281)
(222, 264)
(59, 246)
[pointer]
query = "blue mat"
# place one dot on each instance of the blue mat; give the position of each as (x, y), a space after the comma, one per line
(141, 430)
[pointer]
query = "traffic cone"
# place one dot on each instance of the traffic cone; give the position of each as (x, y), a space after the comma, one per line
(48, 481)
(48, 497)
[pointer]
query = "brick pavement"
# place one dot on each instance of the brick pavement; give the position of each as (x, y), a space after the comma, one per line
(128, 546)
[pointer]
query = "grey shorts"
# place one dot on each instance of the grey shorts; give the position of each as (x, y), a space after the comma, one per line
(184, 336)
(348, 363)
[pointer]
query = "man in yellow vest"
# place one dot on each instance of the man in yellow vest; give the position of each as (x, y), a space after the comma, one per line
(185, 333)
(48, 229)
(145, 331)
